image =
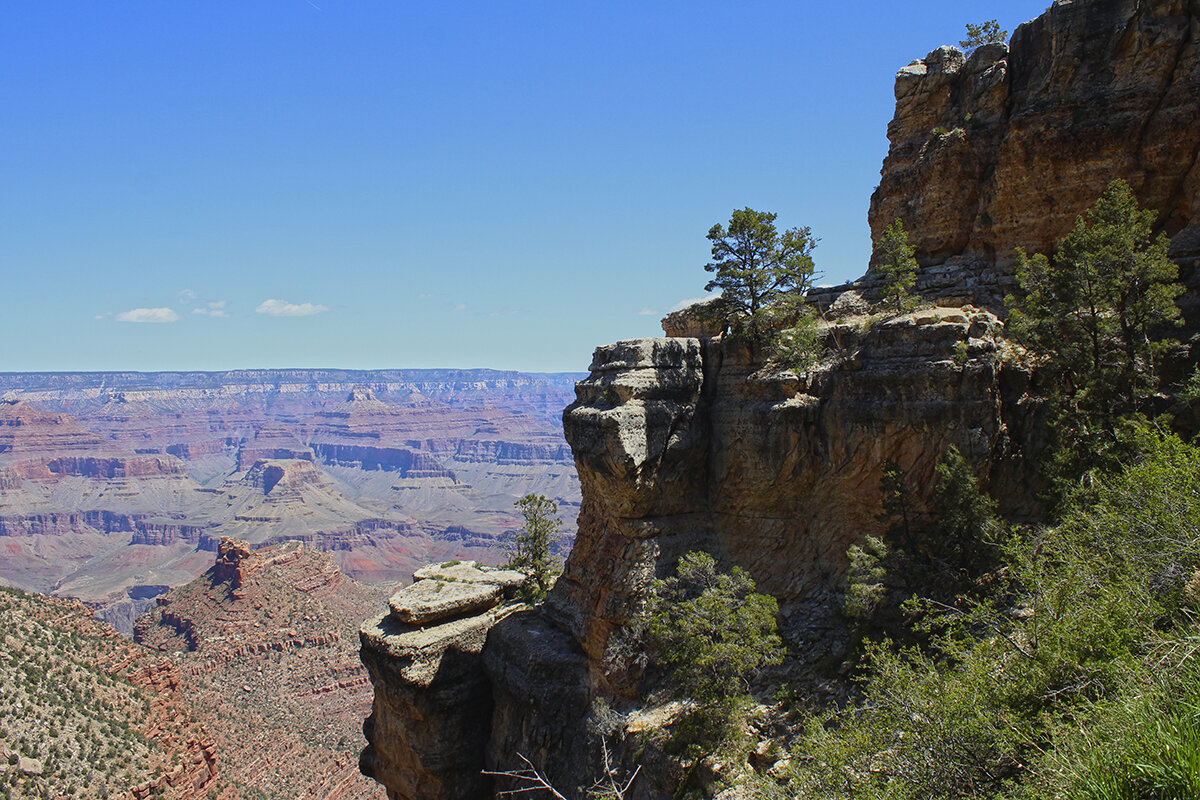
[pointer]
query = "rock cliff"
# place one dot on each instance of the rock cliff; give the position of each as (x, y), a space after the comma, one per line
(689, 442)
(686, 443)
(1006, 148)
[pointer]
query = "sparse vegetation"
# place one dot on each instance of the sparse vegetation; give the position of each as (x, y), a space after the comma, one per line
(981, 34)
(763, 275)
(714, 633)
(897, 267)
(531, 551)
(1095, 319)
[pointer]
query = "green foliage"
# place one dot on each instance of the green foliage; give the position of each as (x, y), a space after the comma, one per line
(798, 346)
(965, 525)
(897, 267)
(962, 353)
(864, 578)
(712, 628)
(531, 550)
(756, 267)
(896, 501)
(984, 33)
(1076, 679)
(1093, 318)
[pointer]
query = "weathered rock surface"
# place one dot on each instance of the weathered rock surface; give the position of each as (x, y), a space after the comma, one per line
(689, 443)
(430, 720)
(431, 602)
(1006, 148)
(684, 444)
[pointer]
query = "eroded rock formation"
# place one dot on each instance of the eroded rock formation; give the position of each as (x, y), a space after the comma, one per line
(1006, 148)
(432, 709)
(689, 442)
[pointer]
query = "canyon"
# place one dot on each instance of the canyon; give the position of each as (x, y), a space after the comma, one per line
(691, 441)
(116, 486)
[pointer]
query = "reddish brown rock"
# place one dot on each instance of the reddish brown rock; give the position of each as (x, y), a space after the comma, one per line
(25, 429)
(1005, 149)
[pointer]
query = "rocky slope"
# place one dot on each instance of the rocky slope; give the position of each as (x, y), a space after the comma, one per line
(689, 442)
(86, 714)
(265, 642)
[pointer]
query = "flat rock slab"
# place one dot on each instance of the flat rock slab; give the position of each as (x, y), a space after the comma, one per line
(428, 602)
(471, 572)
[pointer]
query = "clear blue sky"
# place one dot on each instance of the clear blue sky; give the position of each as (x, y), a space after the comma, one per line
(313, 183)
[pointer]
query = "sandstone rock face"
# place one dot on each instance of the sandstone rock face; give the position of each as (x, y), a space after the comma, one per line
(683, 445)
(1006, 148)
(430, 720)
(688, 443)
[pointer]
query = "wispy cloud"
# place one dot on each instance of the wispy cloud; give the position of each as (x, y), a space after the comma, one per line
(282, 308)
(461, 307)
(691, 301)
(213, 308)
(147, 315)
(647, 312)
(187, 297)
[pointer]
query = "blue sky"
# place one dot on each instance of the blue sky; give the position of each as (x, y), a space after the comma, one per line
(310, 183)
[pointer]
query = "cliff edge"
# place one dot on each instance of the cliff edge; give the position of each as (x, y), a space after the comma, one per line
(688, 442)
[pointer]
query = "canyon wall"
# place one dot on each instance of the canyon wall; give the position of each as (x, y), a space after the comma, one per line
(1005, 149)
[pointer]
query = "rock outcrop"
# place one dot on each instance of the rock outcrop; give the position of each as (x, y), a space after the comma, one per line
(685, 444)
(1006, 148)
(432, 711)
(688, 442)
(265, 640)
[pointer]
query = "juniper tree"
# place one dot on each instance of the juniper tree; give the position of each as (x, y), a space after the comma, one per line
(979, 35)
(1095, 318)
(896, 266)
(531, 551)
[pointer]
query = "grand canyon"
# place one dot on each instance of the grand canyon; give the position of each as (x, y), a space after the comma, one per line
(290, 583)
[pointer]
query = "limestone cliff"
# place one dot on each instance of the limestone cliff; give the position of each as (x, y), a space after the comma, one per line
(1006, 148)
(684, 444)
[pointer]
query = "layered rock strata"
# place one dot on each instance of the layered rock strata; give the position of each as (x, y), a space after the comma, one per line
(684, 444)
(688, 443)
(1005, 149)
(430, 719)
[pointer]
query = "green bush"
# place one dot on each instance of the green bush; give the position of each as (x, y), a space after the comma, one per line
(1077, 678)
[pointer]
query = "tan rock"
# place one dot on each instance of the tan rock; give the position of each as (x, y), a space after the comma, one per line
(431, 601)
(1006, 148)
(471, 572)
(702, 320)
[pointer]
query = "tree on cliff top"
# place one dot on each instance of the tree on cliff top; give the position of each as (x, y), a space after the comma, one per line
(979, 35)
(758, 269)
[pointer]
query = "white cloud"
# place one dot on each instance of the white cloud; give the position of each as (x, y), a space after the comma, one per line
(213, 308)
(682, 304)
(461, 307)
(187, 297)
(103, 315)
(147, 315)
(282, 308)
(647, 312)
